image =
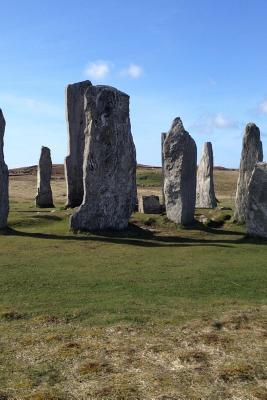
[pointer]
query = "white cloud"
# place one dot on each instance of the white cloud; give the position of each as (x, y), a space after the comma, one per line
(30, 104)
(98, 69)
(133, 71)
(208, 123)
(212, 82)
(221, 122)
(263, 107)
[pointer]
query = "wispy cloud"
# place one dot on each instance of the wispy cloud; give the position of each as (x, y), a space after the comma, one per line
(263, 107)
(133, 71)
(30, 104)
(98, 69)
(212, 82)
(208, 123)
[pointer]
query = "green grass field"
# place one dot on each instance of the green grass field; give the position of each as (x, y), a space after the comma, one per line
(157, 310)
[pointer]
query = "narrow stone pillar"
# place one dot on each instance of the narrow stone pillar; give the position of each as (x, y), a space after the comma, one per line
(205, 185)
(163, 137)
(257, 202)
(44, 197)
(4, 200)
(251, 154)
(109, 162)
(75, 124)
(180, 168)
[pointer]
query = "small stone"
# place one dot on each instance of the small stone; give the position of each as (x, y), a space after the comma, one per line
(205, 196)
(149, 205)
(76, 124)
(257, 202)
(4, 198)
(44, 197)
(251, 154)
(109, 162)
(180, 167)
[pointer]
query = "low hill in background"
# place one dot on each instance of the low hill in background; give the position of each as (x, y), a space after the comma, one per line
(58, 169)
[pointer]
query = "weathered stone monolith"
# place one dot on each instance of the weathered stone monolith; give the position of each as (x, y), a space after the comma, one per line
(251, 154)
(109, 162)
(180, 168)
(44, 193)
(163, 137)
(75, 124)
(257, 202)
(205, 197)
(4, 203)
(149, 204)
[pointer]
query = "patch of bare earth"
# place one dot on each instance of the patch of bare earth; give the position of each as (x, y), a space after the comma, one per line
(207, 359)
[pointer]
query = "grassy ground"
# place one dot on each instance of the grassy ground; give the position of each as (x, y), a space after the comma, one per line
(156, 312)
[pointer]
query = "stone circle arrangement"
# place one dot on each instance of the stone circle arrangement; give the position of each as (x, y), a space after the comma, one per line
(100, 169)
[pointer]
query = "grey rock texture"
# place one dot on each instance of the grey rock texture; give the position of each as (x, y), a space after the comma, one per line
(205, 197)
(251, 154)
(257, 202)
(75, 124)
(109, 162)
(149, 205)
(163, 137)
(44, 193)
(4, 202)
(180, 168)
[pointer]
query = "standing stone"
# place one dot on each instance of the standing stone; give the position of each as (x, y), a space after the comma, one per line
(149, 204)
(251, 154)
(257, 202)
(76, 124)
(4, 203)
(44, 193)
(163, 137)
(205, 186)
(180, 166)
(109, 162)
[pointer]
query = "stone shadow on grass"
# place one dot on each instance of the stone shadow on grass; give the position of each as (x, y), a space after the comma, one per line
(138, 236)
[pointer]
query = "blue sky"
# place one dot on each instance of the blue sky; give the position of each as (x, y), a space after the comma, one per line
(205, 61)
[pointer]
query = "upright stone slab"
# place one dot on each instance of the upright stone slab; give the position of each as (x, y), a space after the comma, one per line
(149, 204)
(205, 185)
(4, 203)
(257, 202)
(163, 137)
(44, 193)
(76, 124)
(109, 162)
(251, 154)
(180, 167)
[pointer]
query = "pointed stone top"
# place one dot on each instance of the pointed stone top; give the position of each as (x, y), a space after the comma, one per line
(2, 121)
(177, 125)
(252, 129)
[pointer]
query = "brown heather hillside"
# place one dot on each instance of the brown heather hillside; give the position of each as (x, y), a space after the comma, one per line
(23, 182)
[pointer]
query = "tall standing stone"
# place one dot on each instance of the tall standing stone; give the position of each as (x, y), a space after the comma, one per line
(257, 202)
(76, 124)
(205, 185)
(180, 166)
(4, 203)
(109, 162)
(44, 193)
(163, 137)
(251, 154)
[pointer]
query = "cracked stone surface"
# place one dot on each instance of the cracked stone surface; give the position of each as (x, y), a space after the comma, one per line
(109, 162)
(180, 168)
(251, 154)
(4, 198)
(205, 197)
(75, 115)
